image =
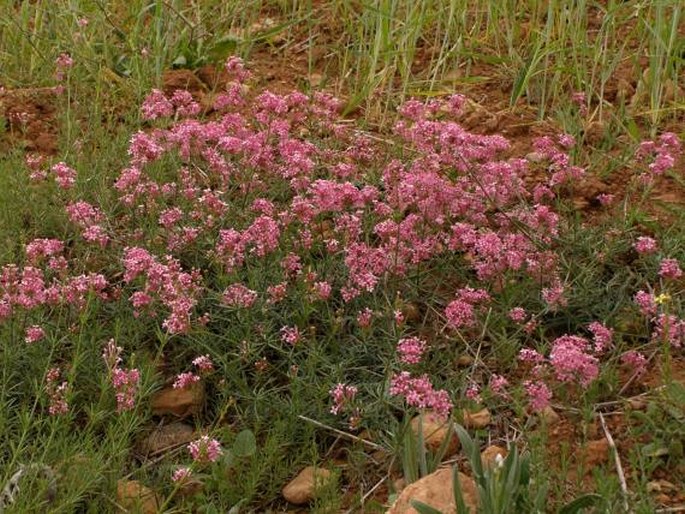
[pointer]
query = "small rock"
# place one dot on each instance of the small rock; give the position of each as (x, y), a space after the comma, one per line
(132, 496)
(165, 437)
(594, 132)
(435, 431)
(179, 402)
(190, 487)
(662, 499)
(658, 486)
(436, 490)
(184, 80)
(303, 487)
(489, 455)
(625, 90)
(411, 312)
(315, 80)
(464, 361)
(480, 419)
(549, 416)
(653, 487)
(399, 484)
(535, 157)
(637, 403)
(595, 453)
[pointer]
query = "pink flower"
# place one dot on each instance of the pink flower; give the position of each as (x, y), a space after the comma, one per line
(529, 355)
(646, 302)
(56, 393)
(111, 355)
(554, 296)
(39, 248)
(635, 360)
(290, 335)
(498, 384)
(237, 295)
(602, 336)
(181, 475)
(277, 293)
(157, 105)
(364, 318)
(419, 392)
(605, 199)
(125, 383)
(205, 450)
(473, 393)
(185, 380)
(571, 362)
(518, 314)
(64, 175)
(342, 395)
(34, 333)
(670, 329)
(398, 317)
(204, 363)
(322, 290)
(670, 268)
(645, 245)
(539, 394)
(411, 350)
(459, 313)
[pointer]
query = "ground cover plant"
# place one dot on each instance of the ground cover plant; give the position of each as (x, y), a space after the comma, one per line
(209, 283)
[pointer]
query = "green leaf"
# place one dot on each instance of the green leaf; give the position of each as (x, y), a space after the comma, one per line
(245, 444)
(180, 61)
(422, 508)
(458, 496)
(580, 503)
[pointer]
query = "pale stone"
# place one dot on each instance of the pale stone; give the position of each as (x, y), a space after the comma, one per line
(304, 486)
(480, 419)
(179, 402)
(549, 416)
(166, 437)
(132, 496)
(436, 490)
(489, 456)
(464, 361)
(435, 431)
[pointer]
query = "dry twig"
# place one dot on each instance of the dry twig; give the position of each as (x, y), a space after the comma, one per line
(617, 461)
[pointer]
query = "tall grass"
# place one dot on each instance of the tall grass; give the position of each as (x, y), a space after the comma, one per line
(378, 52)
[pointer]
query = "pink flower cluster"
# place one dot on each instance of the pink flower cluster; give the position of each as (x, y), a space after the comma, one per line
(205, 450)
(572, 359)
(237, 295)
(460, 312)
(290, 335)
(602, 336)
(29, 288)
(645, 245)
(342, 396)
(181, 475)
(56, 393)
(411, 349)
(64, 175)
(204, 364)
(662, 153)
(185, 380)
(34, 334)
(174, 288)
(419, 392)
(670, 269)
(124, 381)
